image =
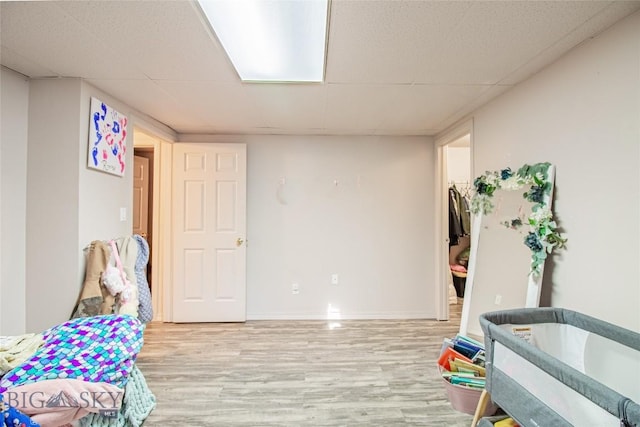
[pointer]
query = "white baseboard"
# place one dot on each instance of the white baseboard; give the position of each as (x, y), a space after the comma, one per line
(347, 316)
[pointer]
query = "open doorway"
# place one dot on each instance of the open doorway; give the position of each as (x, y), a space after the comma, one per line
(149, 217)
(454, 171)
(143, 158)
(459, 218)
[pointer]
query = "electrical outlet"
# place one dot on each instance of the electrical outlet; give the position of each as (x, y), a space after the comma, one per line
(295, 289)
(498, 300)
(334, 279)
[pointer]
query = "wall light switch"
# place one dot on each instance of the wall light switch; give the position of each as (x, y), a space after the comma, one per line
(295, 289)
(123, 214)
(498, 300)
(334, 279)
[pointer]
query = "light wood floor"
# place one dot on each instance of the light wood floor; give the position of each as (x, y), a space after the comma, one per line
(299, 373)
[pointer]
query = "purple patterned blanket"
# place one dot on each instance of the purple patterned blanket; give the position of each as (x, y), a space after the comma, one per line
(94, 349)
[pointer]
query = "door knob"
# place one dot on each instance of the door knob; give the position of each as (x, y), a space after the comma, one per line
(239, 241)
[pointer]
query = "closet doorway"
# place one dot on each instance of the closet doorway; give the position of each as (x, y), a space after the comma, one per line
(453, 222)
(459, 218)
(147, 217)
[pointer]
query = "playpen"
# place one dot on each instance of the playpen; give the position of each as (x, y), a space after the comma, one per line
(557, 367)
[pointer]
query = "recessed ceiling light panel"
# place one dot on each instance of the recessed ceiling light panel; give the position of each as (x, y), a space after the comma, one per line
(272, 40)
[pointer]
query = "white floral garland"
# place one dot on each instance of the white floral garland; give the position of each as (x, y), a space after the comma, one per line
(543, 236)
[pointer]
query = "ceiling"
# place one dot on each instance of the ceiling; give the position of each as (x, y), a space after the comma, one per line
(394, 67)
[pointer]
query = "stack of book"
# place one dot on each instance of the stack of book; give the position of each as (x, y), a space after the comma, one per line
(461, 362)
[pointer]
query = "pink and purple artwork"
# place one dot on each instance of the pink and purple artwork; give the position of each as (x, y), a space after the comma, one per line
(107, 139)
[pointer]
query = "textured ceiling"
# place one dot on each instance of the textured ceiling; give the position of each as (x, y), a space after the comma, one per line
(394, 67)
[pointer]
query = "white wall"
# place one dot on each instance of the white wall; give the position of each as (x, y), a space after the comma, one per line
(101, 195)
(52, 201)
(14, 103)
(374, 228)
(459, 164)
(583, 115)
(68, 204)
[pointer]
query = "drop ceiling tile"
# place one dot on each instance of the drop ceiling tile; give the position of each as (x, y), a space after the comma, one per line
(404, 109)
(60, 42)
(148, 98)
(483, 98)
(294, 106)
(219, 105)
(359, 106)
(598, 23)
(167, 40)
(421, 107)
(493, 39)
(15, 61)
(382, 41)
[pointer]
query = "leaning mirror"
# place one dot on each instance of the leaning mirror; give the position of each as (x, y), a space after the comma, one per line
(513, 232)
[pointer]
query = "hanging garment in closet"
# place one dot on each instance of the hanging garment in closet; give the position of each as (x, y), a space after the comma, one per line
(455, 226)
(465, 215)
(459, 218)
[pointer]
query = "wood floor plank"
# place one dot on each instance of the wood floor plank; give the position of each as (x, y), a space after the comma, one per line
(298, 373)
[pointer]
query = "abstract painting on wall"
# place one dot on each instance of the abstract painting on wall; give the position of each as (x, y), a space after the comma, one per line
(107, 139)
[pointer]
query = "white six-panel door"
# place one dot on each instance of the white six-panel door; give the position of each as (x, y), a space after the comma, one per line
(209, 231)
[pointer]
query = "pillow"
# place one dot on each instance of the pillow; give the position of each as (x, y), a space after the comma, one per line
(458, 268)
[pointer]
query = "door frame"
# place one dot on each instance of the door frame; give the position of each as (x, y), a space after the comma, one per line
(161, 221)
(441, 243)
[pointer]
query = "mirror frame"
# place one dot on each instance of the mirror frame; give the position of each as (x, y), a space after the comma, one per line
(537, 181)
